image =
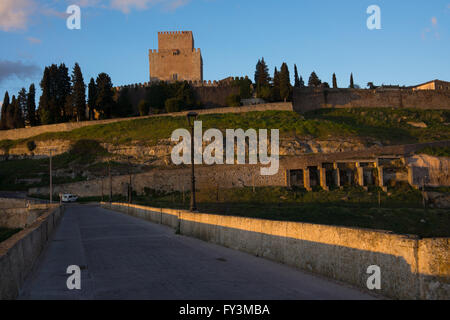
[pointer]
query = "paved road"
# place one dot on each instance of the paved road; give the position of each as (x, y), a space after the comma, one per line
(122, 257)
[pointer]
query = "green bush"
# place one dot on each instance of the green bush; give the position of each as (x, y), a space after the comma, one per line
(265, 93)
(174, 105)
(234, 100)
(144, 107)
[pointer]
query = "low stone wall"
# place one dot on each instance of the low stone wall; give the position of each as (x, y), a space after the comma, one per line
(19, 253)
(23, 133)
(411, 268)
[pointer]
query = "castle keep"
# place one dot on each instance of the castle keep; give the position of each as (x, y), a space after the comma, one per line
(176, 58)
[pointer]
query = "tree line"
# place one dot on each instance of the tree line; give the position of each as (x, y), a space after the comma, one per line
(279, 88)
(63, 99)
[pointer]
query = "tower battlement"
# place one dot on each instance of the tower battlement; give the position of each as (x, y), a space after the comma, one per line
(168, 40)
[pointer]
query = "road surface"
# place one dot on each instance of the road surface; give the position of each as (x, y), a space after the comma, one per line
(122, 257)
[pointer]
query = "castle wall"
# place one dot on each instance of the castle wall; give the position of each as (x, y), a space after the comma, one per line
(214, 96)
(307, 99)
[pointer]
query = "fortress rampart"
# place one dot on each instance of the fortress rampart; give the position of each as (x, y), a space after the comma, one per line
(308, 99)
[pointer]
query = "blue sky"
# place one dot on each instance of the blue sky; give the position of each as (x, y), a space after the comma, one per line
(325, 36)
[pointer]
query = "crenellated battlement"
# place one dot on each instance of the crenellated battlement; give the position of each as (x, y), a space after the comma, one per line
(156, 51)
(168, 40)
(196, 83)
(175, 32)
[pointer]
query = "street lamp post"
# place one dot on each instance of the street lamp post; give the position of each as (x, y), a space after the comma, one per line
(191, 116)
(110, 181)
(51, 184)
(130, 188)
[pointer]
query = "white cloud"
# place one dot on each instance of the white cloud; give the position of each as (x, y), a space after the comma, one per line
(54, 13)
(14, 14)
(126, 6)
(173, 5)
(433, 29)
(434, 21)
(33, 40)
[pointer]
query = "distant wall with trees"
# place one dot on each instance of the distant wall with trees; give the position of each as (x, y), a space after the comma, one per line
(308, 99)
(187, 95)
(214, 96)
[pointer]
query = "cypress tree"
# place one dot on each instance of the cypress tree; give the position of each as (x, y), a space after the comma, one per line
(296, 78)
(78, 93)
(63, 91)
(15, 114)
(275, 92)
(302, 83)
(10, 111)
(258, 67)
(44, 112)
(276, 78)
(104, 101)
(334, 81)
(285, 82)
(92, 96)
(314, 80)
(5, 106)
(262, 77)
(20, 112)
(352, 85)
(31, 106)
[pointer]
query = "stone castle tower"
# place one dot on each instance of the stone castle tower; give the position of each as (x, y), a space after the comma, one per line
(176, 58)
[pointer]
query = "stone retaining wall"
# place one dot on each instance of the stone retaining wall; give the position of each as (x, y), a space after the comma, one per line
(19, 253)
(411, 268)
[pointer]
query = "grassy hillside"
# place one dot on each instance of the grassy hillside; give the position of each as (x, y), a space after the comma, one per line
(84, 154)
(390, 126)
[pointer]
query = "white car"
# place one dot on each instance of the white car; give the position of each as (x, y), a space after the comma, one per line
(68, 197)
